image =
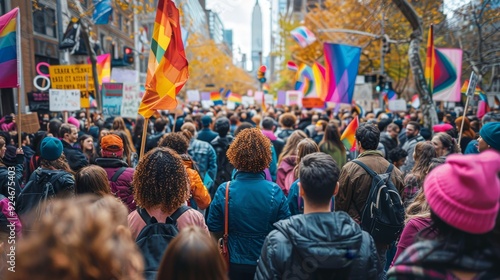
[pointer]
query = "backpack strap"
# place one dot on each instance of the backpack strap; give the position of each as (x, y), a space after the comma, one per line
(118, 173)
(226, 214)
(389, 169)
(172, 219)
(181, 210)
(144, 215)
(366, 168)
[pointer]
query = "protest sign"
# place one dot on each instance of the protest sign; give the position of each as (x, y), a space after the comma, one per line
(131, 100)
(397, 105)
(38, 101)
(74, 77)
(193, 95)
(293, 97)
(121, 75)
(64, 100)
(112, 94)
(312, 102)
(247, 101)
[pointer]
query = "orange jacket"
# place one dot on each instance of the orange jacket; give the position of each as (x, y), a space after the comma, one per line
(198, 190)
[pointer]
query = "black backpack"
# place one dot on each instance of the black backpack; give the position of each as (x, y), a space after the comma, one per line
(383, 212)
(224, 167)
(154, 238)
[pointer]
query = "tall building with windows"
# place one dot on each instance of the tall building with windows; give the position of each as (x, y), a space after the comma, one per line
(257, 42)
(228, 41)
(215, 27)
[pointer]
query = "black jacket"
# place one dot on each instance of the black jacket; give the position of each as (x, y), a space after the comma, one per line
(389, 143)
(74, 156)
(278, 144)
(153, 140)
(327, 243)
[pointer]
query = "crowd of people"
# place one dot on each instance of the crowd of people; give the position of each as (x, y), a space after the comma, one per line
(278, 189)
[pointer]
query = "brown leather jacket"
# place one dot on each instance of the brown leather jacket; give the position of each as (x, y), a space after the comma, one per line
(355, 183)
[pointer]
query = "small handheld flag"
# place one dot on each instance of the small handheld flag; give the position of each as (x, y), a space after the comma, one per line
(349, 135)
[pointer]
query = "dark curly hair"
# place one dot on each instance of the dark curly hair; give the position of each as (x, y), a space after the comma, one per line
(368, 135)
(176, 141)
(250, 151)
(160, 180)
(288, 120)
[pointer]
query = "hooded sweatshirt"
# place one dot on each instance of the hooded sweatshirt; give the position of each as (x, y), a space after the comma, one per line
(305, 246)
(286, 166)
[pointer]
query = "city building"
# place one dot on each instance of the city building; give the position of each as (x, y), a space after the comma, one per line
(228, 41)
(257, 38)
(215, 27)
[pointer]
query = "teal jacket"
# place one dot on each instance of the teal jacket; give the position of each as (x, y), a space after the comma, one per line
(254, 206)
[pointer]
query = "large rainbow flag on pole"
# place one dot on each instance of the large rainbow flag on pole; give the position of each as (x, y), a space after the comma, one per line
(341, 69)
(167, 66)
(9, 77)
(443, 68)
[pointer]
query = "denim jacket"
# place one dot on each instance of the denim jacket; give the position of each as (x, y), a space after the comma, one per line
(254, 206)
(203, 154)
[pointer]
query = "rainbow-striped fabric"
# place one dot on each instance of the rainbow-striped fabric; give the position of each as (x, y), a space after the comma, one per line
(234, 97)
(341, 69)
(167, 65)
(303, 36)
(9, 77)
(349, 135)
(216, 98)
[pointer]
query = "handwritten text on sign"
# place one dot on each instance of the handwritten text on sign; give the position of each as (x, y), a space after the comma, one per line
(64, 100)
(112, 94)
(74, 77)
(131, 100)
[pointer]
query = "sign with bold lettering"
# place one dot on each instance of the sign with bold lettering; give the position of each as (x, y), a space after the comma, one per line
(312, 102)
(38, 101)
(64, 100)
(74, 77)
(131, 100)
(112, 94)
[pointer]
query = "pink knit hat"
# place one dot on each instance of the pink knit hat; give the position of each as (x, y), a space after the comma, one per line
(465, 191)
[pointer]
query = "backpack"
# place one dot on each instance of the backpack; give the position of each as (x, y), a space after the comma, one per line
(154, 238)
(383, 212)
(35, 192)
(117, 174)
(224, 167)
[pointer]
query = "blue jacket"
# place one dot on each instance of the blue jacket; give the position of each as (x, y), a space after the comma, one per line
(203, 154)
(254, 206)
(207, 135)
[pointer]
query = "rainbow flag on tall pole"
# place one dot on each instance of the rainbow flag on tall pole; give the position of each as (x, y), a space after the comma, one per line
(10, 66)
(349, 135)
(167, 65)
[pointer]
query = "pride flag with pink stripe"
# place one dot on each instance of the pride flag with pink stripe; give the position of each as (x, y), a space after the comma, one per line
(8, 50)
(341, 69)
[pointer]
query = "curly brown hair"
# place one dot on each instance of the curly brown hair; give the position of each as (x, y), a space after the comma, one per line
(250, 151)
(176, 141)
(288, 120)
(160, 180)
(86, 237)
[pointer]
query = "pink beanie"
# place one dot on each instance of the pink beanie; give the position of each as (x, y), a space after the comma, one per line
(465, 191)
(442, 127)
(74, 121)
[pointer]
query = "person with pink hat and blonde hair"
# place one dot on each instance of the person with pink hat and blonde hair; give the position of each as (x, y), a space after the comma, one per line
(463, 195)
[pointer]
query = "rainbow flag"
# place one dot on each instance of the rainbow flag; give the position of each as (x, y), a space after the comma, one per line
(443, 68)
(305, 80)
(318, 71)
(103, 68)
(292, 66)
(216, 98)
(234, 97)
(356, 107)
(9, 77)
(341, 69)
(303, 36)
(167, 66)
(482, 105)
(349, 135)
(415, 101)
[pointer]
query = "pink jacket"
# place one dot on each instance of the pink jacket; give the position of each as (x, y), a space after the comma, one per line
(286, 166)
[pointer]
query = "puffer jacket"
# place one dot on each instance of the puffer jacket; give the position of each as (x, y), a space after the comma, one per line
(305, 246)
(8, 218)
(122, 188)
(198, 190)
(9, 181)
(76, 158)
(355, 183)
(250, 220)
(286, 166)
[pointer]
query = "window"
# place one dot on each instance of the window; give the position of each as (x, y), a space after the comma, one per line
(44, 21)
(120, 20)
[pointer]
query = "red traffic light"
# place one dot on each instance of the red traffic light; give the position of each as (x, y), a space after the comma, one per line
(263, 68)
(128, 50)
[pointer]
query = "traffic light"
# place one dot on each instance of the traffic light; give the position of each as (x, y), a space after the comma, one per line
(386, 46)
(128, 55)
(261, 74)
(381, 83)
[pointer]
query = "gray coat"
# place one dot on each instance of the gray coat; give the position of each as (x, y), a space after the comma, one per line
(409, 147)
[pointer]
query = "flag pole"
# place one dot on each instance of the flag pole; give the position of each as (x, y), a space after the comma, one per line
(144, 136)
(20, 78)
(175, 122)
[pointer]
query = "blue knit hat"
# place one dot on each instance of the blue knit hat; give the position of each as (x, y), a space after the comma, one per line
(491, 134)
(51, 148)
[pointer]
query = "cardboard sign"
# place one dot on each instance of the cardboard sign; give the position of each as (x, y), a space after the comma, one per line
(30, 123)
(397, 105)
(74, 77)
(112, 94)
(193, 95)
(312, 102)
(131, 100)
(64, 100)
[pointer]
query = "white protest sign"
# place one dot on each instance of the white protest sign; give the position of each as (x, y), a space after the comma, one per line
(193, 95)
(269, 99)
(206, 104)
(131, 100)
(231, 105)
(397, 105)
(247, 101)
(472, 84)
(64, 100)
(120, 75)
(293, 97)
